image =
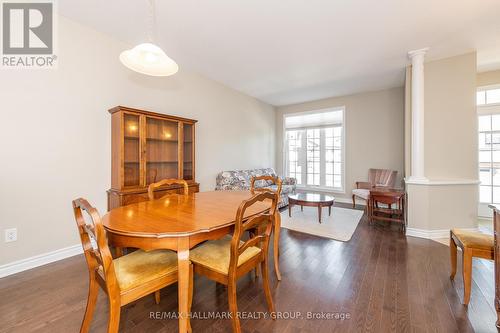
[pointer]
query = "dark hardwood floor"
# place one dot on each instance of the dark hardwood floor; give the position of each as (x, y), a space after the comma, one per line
(379, 281)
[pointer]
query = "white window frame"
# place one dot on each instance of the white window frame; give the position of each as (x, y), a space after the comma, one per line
(490, 105)
(485, 110)
(341, 190)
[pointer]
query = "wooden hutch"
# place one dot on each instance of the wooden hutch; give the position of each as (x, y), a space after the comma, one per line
(145, 148)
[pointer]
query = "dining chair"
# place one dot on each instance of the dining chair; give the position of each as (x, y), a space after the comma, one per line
(268, 187)
(473, 244)
(227, 259)
(154, 186)
(124, 279)
(269, 180)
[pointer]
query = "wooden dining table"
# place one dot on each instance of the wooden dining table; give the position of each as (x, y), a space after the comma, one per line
(180, 222)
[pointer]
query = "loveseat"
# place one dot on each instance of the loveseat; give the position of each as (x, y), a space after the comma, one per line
(240, 180)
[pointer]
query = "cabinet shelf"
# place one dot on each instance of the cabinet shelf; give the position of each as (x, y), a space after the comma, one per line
(161, 140)
(156, 162)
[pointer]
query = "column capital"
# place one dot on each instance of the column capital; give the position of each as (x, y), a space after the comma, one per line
(416, 53)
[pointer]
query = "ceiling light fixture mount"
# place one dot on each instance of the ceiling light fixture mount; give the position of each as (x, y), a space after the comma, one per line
(148, 58)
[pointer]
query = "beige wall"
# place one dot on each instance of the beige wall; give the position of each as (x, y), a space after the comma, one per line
(374, 132)
(488, 78)
(56, 134)
(450, 148)
(450, 118)
(442, 207)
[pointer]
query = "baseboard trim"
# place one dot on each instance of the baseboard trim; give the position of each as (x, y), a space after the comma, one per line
(39, 260)
(359, 202)
(432, 234)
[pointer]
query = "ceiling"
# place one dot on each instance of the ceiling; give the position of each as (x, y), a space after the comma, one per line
(290, 51)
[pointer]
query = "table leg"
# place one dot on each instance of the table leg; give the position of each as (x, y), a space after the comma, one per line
(329, 210)
(277, 230)
(183, 282)
(301, 208)
(290, 209)
(319, 214)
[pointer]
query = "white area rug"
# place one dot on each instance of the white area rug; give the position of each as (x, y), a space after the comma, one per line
(339, 226)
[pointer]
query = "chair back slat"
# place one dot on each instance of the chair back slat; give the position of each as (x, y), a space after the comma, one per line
(251, 242)
(154, 186)
(275, 181)
(382, 177)
(261, 224)
(95, 243)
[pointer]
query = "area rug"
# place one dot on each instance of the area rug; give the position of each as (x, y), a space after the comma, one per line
(339, 226)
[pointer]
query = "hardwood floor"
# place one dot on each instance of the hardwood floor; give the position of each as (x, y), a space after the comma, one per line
(381, 280)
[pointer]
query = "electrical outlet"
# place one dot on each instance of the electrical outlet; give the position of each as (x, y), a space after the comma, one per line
(10, 235)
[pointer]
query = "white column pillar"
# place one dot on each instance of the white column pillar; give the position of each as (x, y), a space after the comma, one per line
(417, 115)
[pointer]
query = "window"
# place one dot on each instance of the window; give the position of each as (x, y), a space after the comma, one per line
(489, 158)
(314, 145)
(488, 96)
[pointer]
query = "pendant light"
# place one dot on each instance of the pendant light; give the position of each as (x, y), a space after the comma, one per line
(148, 58)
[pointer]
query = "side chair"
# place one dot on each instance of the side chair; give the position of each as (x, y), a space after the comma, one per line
(276, 183)
(154, 186)
(227, 259)
(124, 279)
(473, 244)
(376, 178)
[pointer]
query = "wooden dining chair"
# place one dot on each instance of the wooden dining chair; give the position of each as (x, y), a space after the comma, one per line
(473, 244)
(154, 186)
(274, 180)
(276, 229)
(227, 259)
(125, 279)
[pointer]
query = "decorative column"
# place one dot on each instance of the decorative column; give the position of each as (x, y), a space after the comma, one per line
(417, 115)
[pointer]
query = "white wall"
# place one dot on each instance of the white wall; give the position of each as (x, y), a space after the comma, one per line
(55, 138)
(374, 132)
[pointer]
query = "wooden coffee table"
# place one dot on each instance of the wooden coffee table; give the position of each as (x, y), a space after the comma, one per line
(311, 200)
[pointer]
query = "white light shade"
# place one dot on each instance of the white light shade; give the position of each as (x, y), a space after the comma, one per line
(149, 59)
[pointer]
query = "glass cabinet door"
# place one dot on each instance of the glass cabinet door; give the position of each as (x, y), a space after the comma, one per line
(188, 152)
(131, 149)
(161, 149)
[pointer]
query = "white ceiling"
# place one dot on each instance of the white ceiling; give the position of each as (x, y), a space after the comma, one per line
(290, 51)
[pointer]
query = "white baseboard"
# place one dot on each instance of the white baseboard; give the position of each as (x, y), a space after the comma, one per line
(349, 201)
(39, 260)
(432, 234)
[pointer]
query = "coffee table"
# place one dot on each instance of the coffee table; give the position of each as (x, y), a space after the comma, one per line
(311, 200)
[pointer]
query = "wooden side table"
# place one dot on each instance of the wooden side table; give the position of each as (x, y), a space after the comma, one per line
(390, 197)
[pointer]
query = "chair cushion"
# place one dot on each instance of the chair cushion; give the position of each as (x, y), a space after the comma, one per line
(217, 254)
(362, 193)
(474, 239)
(139, 267)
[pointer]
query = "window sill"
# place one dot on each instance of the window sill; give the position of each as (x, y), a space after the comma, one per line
(321, 189)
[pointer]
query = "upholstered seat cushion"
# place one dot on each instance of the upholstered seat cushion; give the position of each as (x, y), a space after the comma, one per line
(217, 254)
(474, 239)
(362, 193)
(139, 267)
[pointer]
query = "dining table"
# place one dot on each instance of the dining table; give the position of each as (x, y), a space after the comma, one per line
(180, 222)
